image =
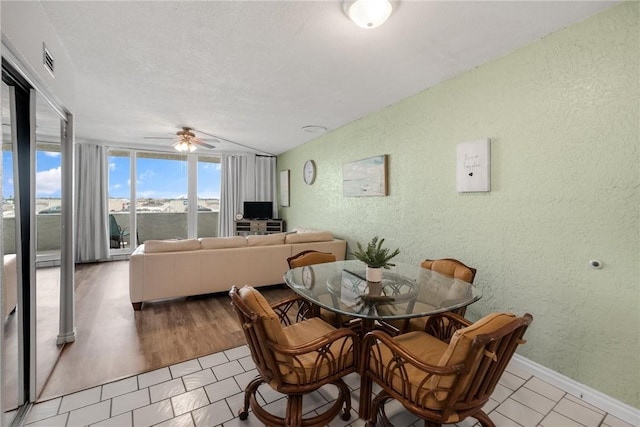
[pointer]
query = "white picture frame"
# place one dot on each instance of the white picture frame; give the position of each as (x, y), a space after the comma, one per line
(366, 177)
(473, 166)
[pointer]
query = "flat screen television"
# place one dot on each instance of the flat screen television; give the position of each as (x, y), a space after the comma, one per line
(258, 210)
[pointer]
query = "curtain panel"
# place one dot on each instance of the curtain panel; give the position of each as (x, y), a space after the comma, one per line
(92, 232)
(244, 177)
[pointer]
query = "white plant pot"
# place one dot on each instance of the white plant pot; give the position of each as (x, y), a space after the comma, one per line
(374, 274)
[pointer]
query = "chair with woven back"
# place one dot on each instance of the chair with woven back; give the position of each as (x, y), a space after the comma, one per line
(443, 376)
(427, 295)
(294, 356)
(312, 257)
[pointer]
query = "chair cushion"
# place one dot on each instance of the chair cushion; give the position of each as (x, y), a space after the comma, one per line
(435, 288)
(461, 341)
(425, 348)
(450, 268)
(311, 258)
(259, 305)
(309, 367)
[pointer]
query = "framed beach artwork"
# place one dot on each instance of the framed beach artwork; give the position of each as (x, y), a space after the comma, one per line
(366, 177)
(284, 188)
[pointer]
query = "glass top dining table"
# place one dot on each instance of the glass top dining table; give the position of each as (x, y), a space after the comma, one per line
(406, 290)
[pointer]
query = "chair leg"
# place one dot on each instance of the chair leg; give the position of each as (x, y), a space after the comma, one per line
(377, 408)
(293, 415)
(294, 411)
(249, 392)
(344, 391)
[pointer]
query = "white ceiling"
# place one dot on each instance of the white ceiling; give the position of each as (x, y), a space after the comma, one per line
(256, 72)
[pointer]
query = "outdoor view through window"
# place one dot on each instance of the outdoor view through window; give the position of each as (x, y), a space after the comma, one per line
(161, 199)
(48, 201)
(162, 188)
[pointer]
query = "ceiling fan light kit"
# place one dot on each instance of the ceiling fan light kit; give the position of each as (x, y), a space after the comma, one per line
(369, 13)
(185, 145)
(188, 142)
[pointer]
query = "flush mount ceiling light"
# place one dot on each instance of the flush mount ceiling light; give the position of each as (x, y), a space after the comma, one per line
(369, 13)
(314, 129)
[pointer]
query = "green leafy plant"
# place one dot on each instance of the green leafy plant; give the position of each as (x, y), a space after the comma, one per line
(375, 255)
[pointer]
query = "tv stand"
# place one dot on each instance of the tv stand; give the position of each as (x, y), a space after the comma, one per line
(246, 227)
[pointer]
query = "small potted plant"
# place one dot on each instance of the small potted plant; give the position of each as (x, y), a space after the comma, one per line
(376, 257)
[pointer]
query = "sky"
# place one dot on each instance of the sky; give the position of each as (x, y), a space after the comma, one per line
(156, 178)
(48, 175)
(162, 179)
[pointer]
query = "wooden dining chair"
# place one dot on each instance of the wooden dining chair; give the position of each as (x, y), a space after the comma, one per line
(312, 257)
(445, 377)
(447, 267)
(294, 358)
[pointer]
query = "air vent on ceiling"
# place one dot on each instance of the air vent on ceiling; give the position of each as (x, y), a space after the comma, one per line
(47, 59)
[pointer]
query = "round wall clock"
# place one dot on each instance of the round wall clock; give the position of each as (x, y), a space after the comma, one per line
(239, 216)
(309, 172)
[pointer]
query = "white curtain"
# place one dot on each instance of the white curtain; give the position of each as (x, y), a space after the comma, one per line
(232, 191)
(265, 181)
(92, 227)
(244, 177)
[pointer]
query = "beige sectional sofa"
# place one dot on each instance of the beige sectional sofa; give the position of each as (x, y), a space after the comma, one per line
(162, 269)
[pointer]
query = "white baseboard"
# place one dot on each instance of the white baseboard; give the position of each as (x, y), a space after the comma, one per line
(612, 406)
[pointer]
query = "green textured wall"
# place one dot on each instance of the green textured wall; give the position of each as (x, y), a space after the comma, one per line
(563, 117)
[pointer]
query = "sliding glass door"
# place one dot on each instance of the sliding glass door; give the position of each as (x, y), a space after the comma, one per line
(165, 187)
(13, 390)
(48, 216)
(36, 151)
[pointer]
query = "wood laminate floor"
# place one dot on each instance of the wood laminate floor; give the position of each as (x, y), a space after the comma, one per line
(114, 341)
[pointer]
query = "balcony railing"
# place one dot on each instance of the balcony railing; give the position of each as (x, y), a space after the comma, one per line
(151, 226)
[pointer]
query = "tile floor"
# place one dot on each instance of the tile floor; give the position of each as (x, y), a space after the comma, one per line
(208, 391)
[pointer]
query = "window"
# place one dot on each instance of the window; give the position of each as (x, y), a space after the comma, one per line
(208, 195)
(119, 191)
(161, 196)
(48, 199)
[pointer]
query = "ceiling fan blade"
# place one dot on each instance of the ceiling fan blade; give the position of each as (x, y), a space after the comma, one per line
(158, 137)
(232, 142)
(204, 144)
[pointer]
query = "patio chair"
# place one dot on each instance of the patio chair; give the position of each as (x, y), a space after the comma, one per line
(116, 233)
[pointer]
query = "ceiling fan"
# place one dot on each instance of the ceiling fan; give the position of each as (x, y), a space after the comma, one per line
(187, 141)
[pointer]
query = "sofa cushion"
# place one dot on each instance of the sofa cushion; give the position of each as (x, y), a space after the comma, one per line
(156, 246)
(265, 240)
(304, 230)
(223, 242)
(318, 236)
